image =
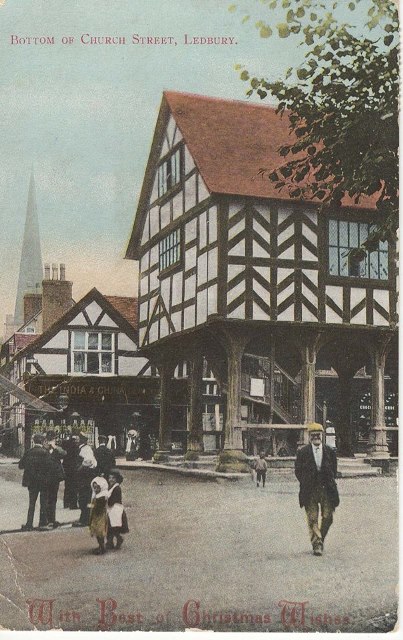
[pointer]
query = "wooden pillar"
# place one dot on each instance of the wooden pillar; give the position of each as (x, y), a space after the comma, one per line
(166, 370)
(195, 441)
(233, 426)
(377, 444)
(232, 457)
(343, 424)
(309, 342)
(272, 365)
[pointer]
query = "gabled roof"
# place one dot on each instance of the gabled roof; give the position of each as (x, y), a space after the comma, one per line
(230, 142)
(127, 307)
(94, 295)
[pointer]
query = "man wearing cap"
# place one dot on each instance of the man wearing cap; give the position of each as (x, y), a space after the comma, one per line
(316, 469)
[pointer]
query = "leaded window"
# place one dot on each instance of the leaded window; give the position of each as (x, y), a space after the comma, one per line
(169, 173)
(93, 352)
(344, 236)
(170, 250)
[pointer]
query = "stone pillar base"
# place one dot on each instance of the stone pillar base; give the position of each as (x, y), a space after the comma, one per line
(232, 461)
(161, 456)
(377, 454)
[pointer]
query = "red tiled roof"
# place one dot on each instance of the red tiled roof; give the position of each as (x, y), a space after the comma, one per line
(127, 307)
(230, 141)
(21, 340)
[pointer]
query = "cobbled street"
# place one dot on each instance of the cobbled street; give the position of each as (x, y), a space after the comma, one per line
(216, 555)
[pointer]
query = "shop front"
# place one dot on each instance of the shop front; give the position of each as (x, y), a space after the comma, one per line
(98, 406)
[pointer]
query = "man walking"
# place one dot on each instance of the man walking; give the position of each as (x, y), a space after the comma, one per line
(104, 457)
(316, 469)
(36, 463)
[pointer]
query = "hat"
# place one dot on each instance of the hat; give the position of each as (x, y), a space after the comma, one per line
(116, 473)
(314, 426)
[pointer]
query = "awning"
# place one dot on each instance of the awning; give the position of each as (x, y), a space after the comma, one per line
(34, 403)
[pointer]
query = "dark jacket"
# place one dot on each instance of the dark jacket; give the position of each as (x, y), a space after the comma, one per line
(105, 459)
(116, 496)
(309, 477)
(70, 461)
(36, 463)
(56, 473)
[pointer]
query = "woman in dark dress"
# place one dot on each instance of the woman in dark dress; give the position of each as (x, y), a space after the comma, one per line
(117, 519)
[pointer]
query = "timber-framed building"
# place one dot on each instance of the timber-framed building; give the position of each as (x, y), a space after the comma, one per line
(231, 268)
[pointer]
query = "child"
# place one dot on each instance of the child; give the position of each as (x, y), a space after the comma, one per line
(98, 517)
(261, 468)
(117, 519)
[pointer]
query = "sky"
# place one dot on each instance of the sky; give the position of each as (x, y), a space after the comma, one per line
(84, 115)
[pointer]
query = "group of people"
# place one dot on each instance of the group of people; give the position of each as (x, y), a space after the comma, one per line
(90, 480)
(316, 471)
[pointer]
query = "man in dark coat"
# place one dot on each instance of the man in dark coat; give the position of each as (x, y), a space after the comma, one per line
(55, 476)
(316, 469)
(70, 465)
(104, 457)
(36, 463)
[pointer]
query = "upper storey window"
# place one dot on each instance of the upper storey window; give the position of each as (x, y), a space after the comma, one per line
(93, 352)
(345, 236)
(169, 173)
(170, 249)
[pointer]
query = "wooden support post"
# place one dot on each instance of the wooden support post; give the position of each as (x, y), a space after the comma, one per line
(166, 369)
(377, 444)
(233, 459)
(309, 345)
(195, 441)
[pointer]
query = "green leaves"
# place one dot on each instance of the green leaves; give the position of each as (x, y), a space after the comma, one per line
(342, 104)
(283, 30)
(265, 31)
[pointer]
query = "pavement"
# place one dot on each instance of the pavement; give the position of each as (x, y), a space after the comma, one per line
(204, 468)
(219, 555)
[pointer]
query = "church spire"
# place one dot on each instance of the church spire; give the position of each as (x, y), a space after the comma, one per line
(30, 276)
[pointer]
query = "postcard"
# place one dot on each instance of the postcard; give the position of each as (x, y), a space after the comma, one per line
(198, 350)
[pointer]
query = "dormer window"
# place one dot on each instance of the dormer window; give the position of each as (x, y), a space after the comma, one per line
(345, 236)
(169, 173)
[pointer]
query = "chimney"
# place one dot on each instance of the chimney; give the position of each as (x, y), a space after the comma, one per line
(32, 304)
(56, 296)
(47, 271)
